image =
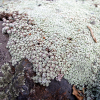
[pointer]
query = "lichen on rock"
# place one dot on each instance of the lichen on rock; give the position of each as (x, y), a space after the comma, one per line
(11, 83)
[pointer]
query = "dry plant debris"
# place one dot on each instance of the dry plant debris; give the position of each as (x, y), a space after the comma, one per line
(92, 34)
(77, 93)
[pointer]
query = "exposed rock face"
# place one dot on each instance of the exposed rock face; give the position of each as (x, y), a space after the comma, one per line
(4, 53)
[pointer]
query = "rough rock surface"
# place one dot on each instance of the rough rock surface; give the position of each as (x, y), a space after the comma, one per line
(4, 53)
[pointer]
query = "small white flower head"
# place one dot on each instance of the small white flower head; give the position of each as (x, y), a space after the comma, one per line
(3, 24)
(4, 20)
(9, 31)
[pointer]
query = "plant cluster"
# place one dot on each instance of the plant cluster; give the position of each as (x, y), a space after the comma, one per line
(57, 40)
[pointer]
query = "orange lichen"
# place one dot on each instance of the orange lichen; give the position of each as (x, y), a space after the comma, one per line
(43, 37)
(29, 33)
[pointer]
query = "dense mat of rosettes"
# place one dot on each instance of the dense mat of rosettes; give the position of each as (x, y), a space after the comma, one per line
(27, 40)
(51, 54)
